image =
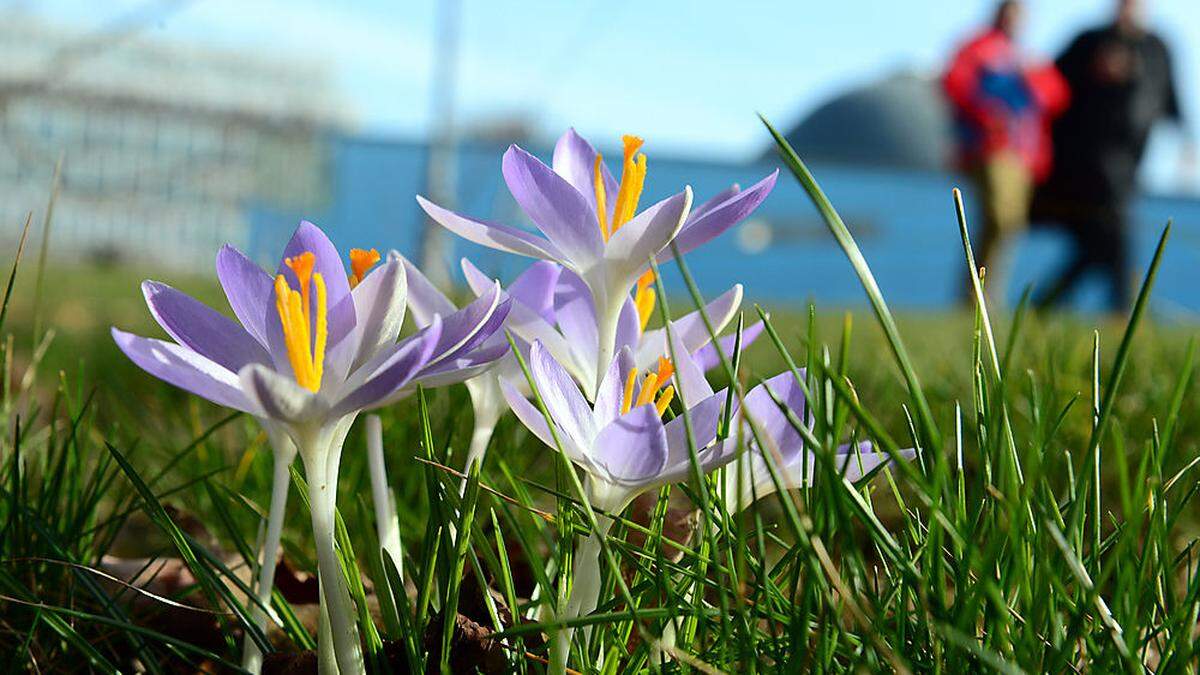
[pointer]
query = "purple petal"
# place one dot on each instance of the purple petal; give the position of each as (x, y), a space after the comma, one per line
(185, 369)
(715, 200)
(470, 326)
(629, 250)
(690, 383)
(379, 302)
(561, 396)
(460, 369)
(611, 392)
(772, 422)
(248, 288)
(705, 417)
(424, 299)
(575, 161)
(629, 326)
(535, 288)
(691, 328)
(535, 421)
(340, 305)
(279, 397)
(576, 315)
(707, 356)
(203, 330)
(633, 447)
(402, 363)
(711, 223)
(557, 208)
(492, 235)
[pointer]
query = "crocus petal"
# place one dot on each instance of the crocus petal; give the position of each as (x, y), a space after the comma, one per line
(558, 209)
(772, 422)
(248, 288)
(185, 369)
(470, 326)
(460, 369)
(492, 235)
(629, 250)
(691, 328)
(713, 222)
(535, 287)
(629, 326)
(562, 397)
(309, 238)
(203, 330)
(576, 316)
(690, 383)
(535, 421)
(388, 376)
(279, 397)
(707, 356)
(713, 201)
(575, 160)
(705, 417)
(379, 302)
(611, 392)
(424, 299)
(633, 447)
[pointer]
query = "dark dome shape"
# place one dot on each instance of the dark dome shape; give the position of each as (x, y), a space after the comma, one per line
(899, 122)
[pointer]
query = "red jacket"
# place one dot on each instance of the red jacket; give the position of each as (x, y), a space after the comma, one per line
(1003, 104)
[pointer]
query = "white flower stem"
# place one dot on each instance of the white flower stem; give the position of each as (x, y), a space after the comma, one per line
(326, 654)
(606, 331)
(387, 524)
(284, 452)
(321, 451)
(585, 578)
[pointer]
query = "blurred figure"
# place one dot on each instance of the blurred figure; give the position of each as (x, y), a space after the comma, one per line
(1121, 84)
(1003, 107)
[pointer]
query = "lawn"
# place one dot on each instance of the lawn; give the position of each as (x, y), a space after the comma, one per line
(1047, 525)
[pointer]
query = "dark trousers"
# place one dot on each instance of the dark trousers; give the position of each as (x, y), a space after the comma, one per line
(1100, 235)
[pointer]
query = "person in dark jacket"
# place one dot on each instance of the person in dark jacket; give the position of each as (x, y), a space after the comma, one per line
(1002, 106)
(1121, 85)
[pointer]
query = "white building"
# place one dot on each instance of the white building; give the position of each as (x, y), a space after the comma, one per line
(164, 146)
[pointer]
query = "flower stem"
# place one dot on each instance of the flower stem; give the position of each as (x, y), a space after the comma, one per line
(320, 468)
(606, 331)
(585, 592)
(284, 452)
(387, 524)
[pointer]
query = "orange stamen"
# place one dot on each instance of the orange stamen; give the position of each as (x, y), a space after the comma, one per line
(361, 260)
(307, 356)
(633, 178)
(649, 388)
(302, 265)
(665, 369)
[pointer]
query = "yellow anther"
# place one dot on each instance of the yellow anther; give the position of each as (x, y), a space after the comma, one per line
(664, 400)
(633, 178)
(306, 355)
(627, 399)
(649, 388)
(361, 260)
(302, 265)
(601, 195)
(644, 297)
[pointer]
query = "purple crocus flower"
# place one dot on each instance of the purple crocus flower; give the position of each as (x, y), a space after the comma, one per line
(620, 442)
(591, 224)
(553, 305)
(749, 478)
(314, 347)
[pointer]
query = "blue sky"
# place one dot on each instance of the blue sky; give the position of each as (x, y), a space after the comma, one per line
(689, 76)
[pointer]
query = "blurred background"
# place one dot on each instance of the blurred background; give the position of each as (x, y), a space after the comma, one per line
(181, 125)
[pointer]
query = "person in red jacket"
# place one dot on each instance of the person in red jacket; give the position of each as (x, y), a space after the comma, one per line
(1003, 106)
